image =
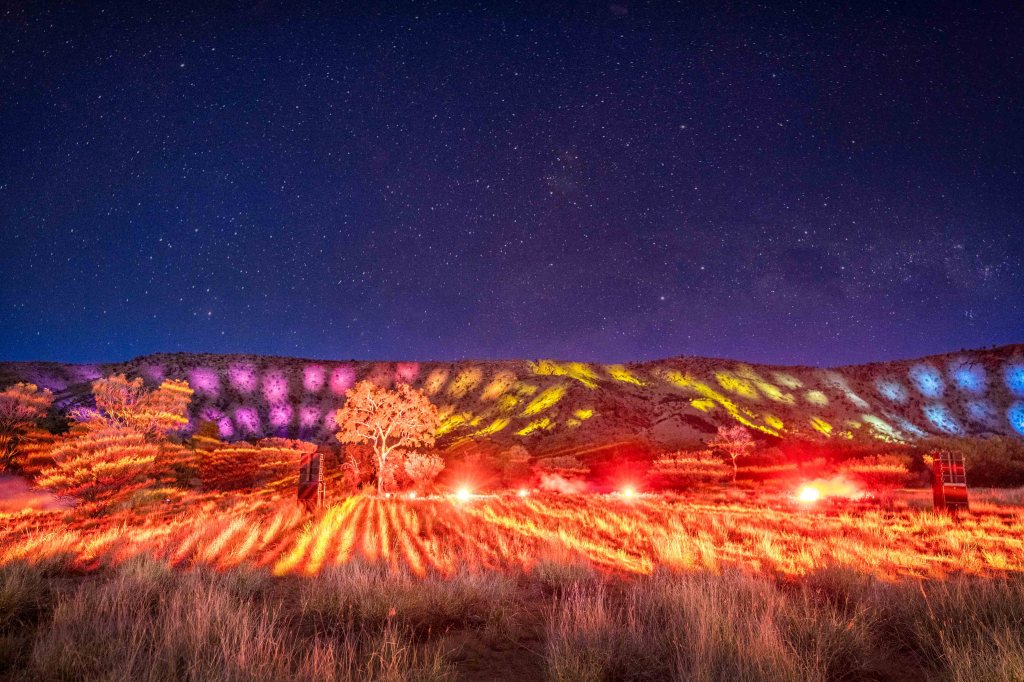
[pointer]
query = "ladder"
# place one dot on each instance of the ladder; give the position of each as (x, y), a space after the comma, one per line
(949, 483)
(311, 481)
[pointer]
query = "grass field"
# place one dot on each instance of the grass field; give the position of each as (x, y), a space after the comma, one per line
(722, 585)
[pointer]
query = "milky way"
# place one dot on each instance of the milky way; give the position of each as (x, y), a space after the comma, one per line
(594, 182)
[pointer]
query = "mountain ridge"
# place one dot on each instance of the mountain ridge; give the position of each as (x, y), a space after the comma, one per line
(548, 405)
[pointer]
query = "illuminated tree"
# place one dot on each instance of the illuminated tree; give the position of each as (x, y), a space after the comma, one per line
(422, 469)
(122, 445)
(22, 406)
(357, 467)
(393, 422)
(735, 441)
(121, 403)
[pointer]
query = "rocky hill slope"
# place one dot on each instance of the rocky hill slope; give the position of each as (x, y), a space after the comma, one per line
(551, 405)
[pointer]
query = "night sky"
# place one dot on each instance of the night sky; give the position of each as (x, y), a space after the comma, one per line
(597, 182)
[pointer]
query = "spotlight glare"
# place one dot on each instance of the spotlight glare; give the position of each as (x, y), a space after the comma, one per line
(808, 494)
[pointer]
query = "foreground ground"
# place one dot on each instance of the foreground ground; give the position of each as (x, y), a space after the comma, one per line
(725, 585)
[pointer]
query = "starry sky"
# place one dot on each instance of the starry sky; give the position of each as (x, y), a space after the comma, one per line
(804, 183)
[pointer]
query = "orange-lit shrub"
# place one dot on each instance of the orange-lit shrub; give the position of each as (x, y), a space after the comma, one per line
(879, 471)
(241, 466)
(684, 469)
(563, 464)
(22, 406)
(98, 464)
(996, 461)
(422, 469)
(121, 403)
(122, 445)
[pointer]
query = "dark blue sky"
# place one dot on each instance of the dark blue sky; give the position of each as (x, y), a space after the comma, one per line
(593, 181)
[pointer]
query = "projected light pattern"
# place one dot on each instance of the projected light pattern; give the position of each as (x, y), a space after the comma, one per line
(703, 404)
(940, 416)
(154, 373)
(737, 385)
(407, 372)
(280, 416)
(883, 429)
(1016, 416)
(242, 377)
(309, 416)
(211, 414)
(821, 426)
(816, 398)
(342, 379)
(248, 420)
(314, 377)
(763, 386)
(1014, 376)
(621, 373)
(545, 400)
(225, 427)
(247, 398)
(542, 424)
(968, 377)
(498, 386)
(435, 381)
(788, 380)
(205, 381)
(579, 371)
(892, 390)
(275, 386)
(982, 412)
(838, 382)
(464, 382)
(928, 380)
(738, 413)
(905, 425)
(494, 427)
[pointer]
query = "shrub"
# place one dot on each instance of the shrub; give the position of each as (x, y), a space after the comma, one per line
(422, 469)
(22, 406)
(995, 461)
(245, 466)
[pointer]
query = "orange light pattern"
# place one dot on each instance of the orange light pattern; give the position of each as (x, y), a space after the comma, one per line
(618, 533)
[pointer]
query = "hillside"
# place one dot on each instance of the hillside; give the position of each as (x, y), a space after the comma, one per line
(551, 406)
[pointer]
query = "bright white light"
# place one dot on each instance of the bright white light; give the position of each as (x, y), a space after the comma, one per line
(628, 491)
(523, 492)
(463, 494)
(412, 494)
(808, 494)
